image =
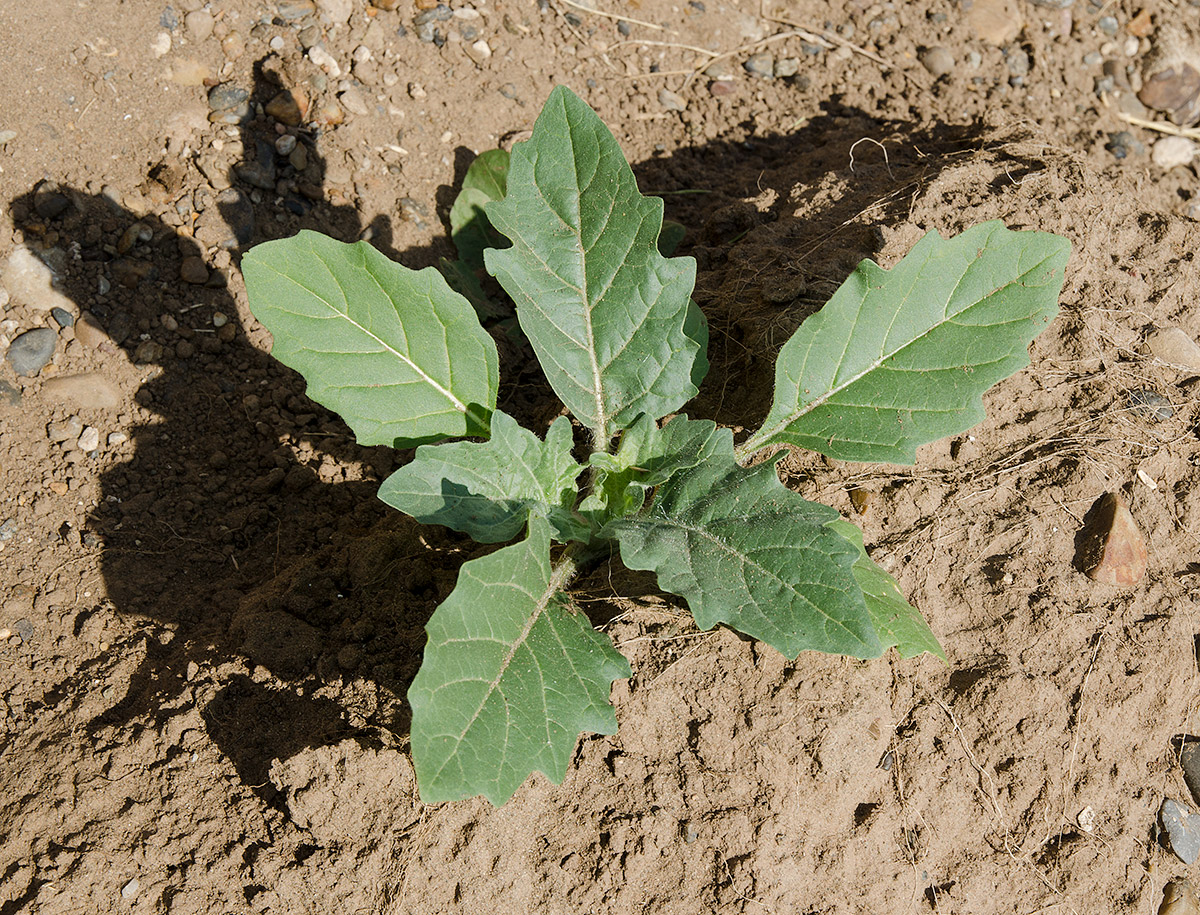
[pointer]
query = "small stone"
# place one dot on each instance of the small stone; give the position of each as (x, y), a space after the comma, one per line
(862, 499)
(24, 629)
(721, 87)
(440, 13)
(288, 107)
(671, 101)
(32, 350)
(130, 889)
(147, 351)
(185, 349)
(226, 97)
(1179, 898)
(220, 319)
(233, 45)
(285, 144)
(1172, 151)
(997, 22)
(1172, 345)
(337, 11)
(1182, 828)
(90, 390)
(787, 67)
(1174, 89)
(298, 158)
(1110, 549)
(199, 24)
(189, 72)
(62, 317)
(116, 439)
(1108, 25)
(69, 428)
(323, 59)
(161, 45)
(89, 331)
(760, 65)
(193, 270)
(352, 100)
(1123, 144)
(1189, 760)
(1054, 4)
(938, 61)
(385, 4)
(1149, 404)
(48, 201)
(1018, 61)
(59, 488)
(8, 529)
(89, 440)
(291, 10)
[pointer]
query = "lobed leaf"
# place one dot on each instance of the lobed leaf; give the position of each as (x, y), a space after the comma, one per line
(896, 620)
(901, 357)
(609, 318)
(510, 678)
(488, 489)
(399, 355)
(744, 550)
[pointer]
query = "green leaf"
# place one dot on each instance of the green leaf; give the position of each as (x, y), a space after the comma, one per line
(488, 489)
(647, 457)
(463, 279)
(671, 237)
(470, 229)
(395, 351)
(610, 319)
(511, 676)
(901, 357)
(744, 550)
(896, 620)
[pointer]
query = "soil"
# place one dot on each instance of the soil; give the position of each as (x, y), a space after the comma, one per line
(209, 622)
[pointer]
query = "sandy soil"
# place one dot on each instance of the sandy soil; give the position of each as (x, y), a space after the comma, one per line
(210, 623)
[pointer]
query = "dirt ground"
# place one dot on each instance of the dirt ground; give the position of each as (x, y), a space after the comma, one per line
(209, 623)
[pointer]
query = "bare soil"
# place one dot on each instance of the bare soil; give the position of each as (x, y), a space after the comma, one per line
(210, 622)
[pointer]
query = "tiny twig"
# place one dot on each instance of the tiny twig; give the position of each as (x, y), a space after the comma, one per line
(877, 143)
(588, 9)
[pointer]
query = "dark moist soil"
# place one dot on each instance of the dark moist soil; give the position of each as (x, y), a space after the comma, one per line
(209, 622)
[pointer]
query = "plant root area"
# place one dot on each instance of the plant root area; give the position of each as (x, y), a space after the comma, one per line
(208, 623)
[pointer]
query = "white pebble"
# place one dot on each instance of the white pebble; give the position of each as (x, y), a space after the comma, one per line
(361, 54)
(482, 49)
(130, 889)
(323, 59)
(89, 441)
(220, 319)
(276, 43)
(161, 44)
(1171, 151)
(117, 438)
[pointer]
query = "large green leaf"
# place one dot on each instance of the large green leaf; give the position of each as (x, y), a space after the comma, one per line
(610, 319)
(896, 620)
(487, 489)
(901, 357)
(512, 674)
(744, 550)
(485, 181)
(395, 351)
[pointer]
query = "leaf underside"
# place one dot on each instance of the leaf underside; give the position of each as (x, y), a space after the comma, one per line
(898, 358)
(610, 319)
(511, 676)
(488, 489)
(744, 550)
(399, 355)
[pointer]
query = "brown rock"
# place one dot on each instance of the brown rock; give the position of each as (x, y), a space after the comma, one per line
(89, 331)
(288, 107)
(1171, 76)
(1172, 345)
(995, 21)
(1179, 898)
(90, 391)
(1110, 548)
(193, 270)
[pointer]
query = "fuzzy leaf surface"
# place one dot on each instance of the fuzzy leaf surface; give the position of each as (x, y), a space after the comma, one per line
(511, 676)
(486, 180)
(609, 318)
(897, 621)
(744, 550)
(488, 489)
(398, 354)
(898, 358)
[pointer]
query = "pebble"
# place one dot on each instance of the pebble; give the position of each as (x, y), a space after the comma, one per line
(1183, 830)
(1149, 404)
(1018, 61)
(1189, 760)
(787, 67)
(323, 59)
(220, 319)
(1110, 548)
(117, 438)
(288, 107)
(90, 390)
(27, 278)
(760, 65)
(385, 4)
(199, 24)
(48, 201)
(291, 10)
(1123, 144)
(1170, 84)
(938, 61)
(32, 350)
(8, 529)
(1179, 898)
(721, 87)
(285, 144)
(89, 440)
(90, 332)
(9, 394)
(193, 270)
(337, 11)
(1172, 151)
(1108, 25)
(671, 101)
(352, 100)
(1172, 345)
(62, 317)
(997, 22)
(226, 96)
(161, 44)
(24, 629)
(130, 889)
(1053, 4)
(69, 428)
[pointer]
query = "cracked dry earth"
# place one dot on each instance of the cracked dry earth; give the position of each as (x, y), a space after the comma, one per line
(210, 623)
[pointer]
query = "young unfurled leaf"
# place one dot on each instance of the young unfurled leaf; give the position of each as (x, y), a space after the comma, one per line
(744, 550)
(896, 620)
(610, 319)
(510, 678)
(488, 489)
(395, 351)
(901, 357)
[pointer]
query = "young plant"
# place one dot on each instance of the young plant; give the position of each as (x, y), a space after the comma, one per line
(512, 673)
